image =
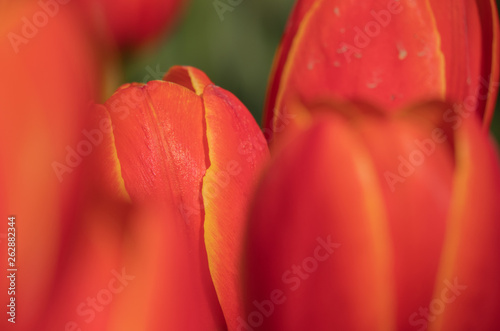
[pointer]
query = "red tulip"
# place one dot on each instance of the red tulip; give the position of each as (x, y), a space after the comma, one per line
(372, 220)
(182, 156)
(131, 23)
(49, 75)
(391, 53)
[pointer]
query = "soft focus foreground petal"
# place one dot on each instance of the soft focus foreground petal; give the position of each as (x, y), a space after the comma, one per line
(87, 286)
(237, 151)
(159, 134)
(129, 269)
(189, 77)
(415, 170)
(166, 293)
(131, 23)
(468, 282)
(333, 55)
(43, 101)
(318, 247)
(438, 179)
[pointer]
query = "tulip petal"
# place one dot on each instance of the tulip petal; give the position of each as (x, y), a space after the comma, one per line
(490, 70)
(43, 104)
(131, 23)
(318, 243)
(471, 62)
(299, 11)
(237, 151)
(165, 293)
(415, 170)
(189, 77)
(86, 268)
(105, 170)
(468, 283)
(159, 132)
(159, 158)
(364, 51)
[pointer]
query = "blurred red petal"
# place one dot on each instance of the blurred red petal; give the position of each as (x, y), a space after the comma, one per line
(470, 254)
(318, 239)
(131, 23)
(415, 172)
(43, 100)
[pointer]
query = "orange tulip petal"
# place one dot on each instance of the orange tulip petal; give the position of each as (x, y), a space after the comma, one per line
(85, 270)
(104, 166)
(300, 9)
(468, 283)
(43, 104)
(159, 132)
(415, 170)
(471, 53)
(189, 77)
(318, 248)
(166, 292)
(365, 51)
(237, 151)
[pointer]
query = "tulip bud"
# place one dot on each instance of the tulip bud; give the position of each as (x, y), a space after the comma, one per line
(191, 152)
(391, 53)
(372, 220)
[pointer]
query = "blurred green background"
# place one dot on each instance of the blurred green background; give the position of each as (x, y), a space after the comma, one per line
(236, 52)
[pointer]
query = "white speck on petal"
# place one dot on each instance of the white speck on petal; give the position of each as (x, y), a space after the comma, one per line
(342, 30)
(403, 53)
(336, 11)
(336, 64)
(375, 81)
